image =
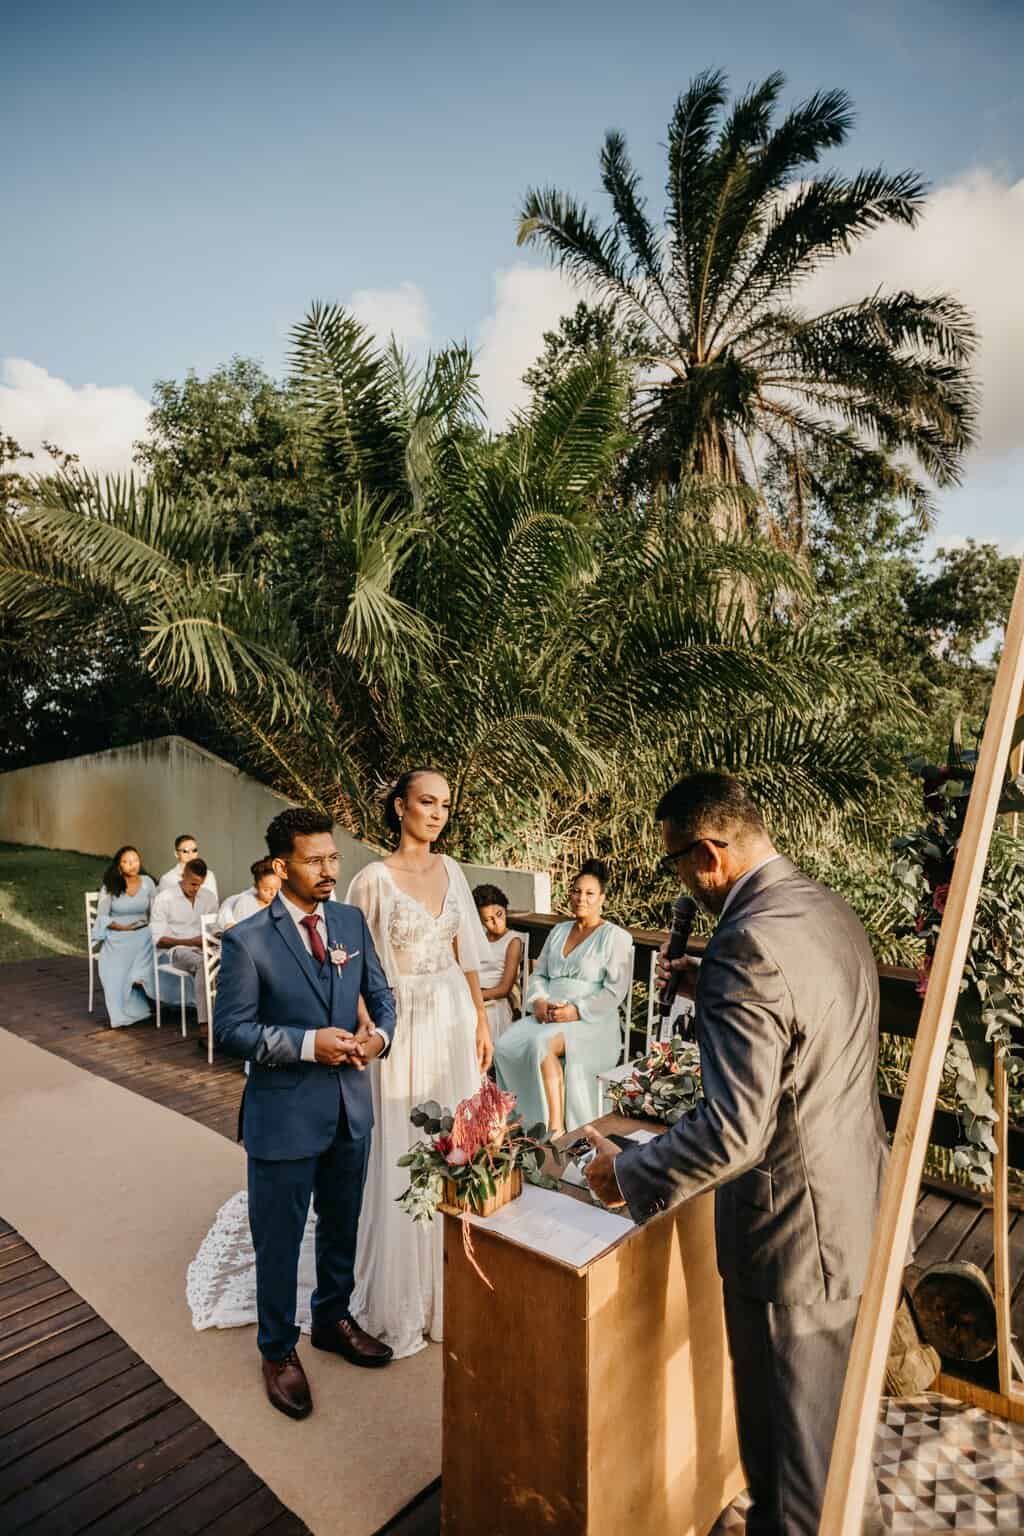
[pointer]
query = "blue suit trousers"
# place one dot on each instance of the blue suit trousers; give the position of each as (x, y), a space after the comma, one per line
(279, 1195)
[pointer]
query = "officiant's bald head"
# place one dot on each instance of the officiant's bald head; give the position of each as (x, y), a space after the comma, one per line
(713, 834)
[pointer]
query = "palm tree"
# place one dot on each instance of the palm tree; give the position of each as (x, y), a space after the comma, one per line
(736, 370)
(470, 601)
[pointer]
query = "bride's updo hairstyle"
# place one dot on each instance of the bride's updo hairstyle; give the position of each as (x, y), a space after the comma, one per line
(398, 791)
(597, 869)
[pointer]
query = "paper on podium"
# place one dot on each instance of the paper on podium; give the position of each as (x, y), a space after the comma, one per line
(571, 1231)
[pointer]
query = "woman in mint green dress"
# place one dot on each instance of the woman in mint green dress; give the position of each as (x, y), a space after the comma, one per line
(572, 1029)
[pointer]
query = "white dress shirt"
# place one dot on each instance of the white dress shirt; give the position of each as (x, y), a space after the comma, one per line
(173, 877)
(741, 882)
(175, 917)
(297, 916)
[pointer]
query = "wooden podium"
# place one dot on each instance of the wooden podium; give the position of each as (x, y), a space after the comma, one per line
(591, 1400)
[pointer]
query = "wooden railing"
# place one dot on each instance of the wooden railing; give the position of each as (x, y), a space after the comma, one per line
(899, 1014)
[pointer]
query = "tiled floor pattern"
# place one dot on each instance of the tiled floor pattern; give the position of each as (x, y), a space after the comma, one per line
(941, 1466)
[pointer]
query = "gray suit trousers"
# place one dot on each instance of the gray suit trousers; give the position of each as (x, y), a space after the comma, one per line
(789, 1363)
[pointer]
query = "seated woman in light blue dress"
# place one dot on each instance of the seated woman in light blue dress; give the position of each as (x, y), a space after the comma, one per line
(572, 1029)
(122, 930)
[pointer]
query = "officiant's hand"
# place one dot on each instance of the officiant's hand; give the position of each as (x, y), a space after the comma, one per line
(684, 968)
(335, 1047)
(600, 1173)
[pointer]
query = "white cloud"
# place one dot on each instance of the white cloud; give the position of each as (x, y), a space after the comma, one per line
(402, 312)
(970, 242)
(527, 302)
(99, 422)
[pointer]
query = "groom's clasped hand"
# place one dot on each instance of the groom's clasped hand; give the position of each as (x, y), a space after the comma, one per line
(341, 1048)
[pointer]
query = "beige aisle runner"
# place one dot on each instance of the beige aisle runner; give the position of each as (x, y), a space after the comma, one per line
(117, 1193)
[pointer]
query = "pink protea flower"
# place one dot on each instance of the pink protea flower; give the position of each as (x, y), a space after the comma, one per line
(923, 975)
(457, 1157)
(479, 1121)
(940, 896)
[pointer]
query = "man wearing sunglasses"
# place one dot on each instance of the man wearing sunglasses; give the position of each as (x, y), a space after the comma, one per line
(185, 850)
(789, 1135)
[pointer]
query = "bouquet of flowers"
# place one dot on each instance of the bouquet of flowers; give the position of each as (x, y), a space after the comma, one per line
(472, 1156)
(662, 1086)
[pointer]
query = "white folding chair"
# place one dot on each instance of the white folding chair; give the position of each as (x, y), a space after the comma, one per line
(524, 966)
(169, 970)
(619, 1073)
(211, 969)
(92, 901)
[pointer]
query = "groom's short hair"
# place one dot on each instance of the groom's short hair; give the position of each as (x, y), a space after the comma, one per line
(298, 821)
(709, 800)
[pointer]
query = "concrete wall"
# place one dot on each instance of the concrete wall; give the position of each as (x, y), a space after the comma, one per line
(150, 793)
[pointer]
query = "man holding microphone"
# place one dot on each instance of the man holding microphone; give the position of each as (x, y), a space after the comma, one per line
(789, 1135)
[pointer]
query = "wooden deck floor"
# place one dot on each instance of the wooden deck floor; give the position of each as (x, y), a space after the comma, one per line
(92, 1439)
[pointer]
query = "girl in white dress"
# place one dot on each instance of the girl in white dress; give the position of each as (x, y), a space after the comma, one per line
(424, 926)
(501, 957)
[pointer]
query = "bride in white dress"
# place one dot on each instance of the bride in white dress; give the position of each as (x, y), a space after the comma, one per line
(425, 929)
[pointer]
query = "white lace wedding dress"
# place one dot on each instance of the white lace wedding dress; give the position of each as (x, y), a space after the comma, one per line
(398, 1294)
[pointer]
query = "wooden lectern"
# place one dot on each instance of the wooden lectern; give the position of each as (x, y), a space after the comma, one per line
(591, 1400)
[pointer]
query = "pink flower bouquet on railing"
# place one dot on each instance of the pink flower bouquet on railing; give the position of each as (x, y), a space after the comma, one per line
(473, 1158)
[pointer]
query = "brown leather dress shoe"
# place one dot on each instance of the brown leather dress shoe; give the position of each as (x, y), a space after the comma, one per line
(353, 1343)
(287, 1387)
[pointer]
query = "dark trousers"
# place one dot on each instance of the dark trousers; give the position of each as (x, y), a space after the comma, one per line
(279, 1194)
(789, 1364)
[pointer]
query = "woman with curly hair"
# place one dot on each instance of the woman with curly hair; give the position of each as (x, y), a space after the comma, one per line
(122, 931)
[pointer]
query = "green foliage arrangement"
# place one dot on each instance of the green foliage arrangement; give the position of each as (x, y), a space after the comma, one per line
(990, 1009)
(664, 1085)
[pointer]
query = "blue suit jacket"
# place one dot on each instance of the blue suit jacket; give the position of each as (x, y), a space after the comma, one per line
(269, 992)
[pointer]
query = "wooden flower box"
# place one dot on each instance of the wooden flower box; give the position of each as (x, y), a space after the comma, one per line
(509, 1188)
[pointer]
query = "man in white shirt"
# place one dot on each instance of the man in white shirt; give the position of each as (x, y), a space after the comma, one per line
(186, 848)
(176, 925)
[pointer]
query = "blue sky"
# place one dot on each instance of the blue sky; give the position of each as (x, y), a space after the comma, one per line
(184, 179)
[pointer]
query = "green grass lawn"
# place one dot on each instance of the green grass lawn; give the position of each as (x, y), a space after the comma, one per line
(42, 901)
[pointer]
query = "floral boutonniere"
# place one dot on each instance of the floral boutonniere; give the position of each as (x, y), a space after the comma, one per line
(340, 957)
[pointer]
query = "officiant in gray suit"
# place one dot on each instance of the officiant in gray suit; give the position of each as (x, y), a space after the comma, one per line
(789, 1135)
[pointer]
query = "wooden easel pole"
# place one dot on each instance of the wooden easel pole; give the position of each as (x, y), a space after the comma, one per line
(1000, 1192)
(851, 1464)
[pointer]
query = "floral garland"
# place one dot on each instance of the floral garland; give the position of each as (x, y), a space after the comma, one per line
(664, 1085)
(991, 1003)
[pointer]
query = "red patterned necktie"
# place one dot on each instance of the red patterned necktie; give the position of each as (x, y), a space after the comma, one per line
(316, 943)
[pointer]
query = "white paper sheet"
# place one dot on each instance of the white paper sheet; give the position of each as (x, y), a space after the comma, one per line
(571, 1231)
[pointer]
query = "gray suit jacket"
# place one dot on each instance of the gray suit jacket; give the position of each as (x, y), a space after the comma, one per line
(790, 1132)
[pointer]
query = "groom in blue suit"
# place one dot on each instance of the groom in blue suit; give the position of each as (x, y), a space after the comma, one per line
(288, 995)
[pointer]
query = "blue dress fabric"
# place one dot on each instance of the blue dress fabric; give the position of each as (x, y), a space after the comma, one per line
(125, 959)
(595, 976)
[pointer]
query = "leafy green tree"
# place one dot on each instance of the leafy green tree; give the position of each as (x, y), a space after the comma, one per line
(239, 441)
(735, 369)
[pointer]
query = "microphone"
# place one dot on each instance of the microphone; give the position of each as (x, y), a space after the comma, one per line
(684, 910)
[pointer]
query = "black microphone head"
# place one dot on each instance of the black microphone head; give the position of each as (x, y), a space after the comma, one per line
(684, 910)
